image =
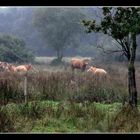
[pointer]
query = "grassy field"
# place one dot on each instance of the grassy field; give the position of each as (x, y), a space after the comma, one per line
(60, 101)
(68, 117)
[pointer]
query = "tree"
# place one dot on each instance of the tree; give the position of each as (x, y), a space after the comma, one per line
(123, 25)
(59, 27)
(13, 49)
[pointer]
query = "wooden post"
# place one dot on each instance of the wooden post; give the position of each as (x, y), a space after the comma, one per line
(25, 88)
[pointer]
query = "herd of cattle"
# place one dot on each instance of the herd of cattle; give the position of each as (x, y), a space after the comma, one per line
(4, 66)
(75, 63)
(82, 64)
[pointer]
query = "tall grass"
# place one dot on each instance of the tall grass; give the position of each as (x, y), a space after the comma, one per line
(61, 85)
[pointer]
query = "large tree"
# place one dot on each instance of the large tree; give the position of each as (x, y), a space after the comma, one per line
(123, 25)
(59, 27)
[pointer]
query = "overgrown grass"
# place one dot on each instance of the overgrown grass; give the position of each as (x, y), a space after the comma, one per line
(69, 117)
(49, 116)
(60, 86)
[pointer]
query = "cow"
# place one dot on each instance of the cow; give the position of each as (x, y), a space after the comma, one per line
(20, 68)
(23, 68)
(97, 71)
(100, 74)
(12, 68)
(4, 66)
(78, 64)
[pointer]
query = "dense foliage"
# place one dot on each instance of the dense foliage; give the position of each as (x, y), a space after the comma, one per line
(13, 49)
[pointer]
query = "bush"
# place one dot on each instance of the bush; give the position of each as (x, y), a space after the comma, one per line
(6, 123)
(32, 110)
(126, 120)
(56, 62)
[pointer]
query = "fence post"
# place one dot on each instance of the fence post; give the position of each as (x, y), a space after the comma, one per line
(25, 87)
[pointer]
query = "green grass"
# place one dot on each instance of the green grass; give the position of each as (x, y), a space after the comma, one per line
(60, 117)
(69, 117)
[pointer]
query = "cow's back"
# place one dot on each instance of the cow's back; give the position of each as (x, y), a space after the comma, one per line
(21, 68)
(100, 72)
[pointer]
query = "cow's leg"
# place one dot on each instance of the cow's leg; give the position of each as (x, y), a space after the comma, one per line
(83, 68)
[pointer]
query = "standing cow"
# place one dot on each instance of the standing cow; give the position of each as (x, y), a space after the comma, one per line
(79, 64)
(100, 74)
(97, 71)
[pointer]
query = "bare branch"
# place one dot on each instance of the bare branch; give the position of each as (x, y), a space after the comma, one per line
(118, 41)
(117, 45)
(109, 51)
(125, 48)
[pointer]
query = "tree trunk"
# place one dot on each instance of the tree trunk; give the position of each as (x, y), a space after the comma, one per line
(59, 55)
(131, 73)
(132, 85)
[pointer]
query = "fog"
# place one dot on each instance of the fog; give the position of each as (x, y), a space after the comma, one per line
(20, 22)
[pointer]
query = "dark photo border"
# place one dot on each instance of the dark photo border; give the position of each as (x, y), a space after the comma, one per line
(67, 3)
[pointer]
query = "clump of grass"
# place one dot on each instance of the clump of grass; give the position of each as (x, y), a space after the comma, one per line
(31, 110)
(6, 122)
(92, 89)
(126, 120)
(10, 88)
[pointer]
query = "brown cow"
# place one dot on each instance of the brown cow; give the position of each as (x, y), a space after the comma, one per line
(21, 68)
(24, 68)
(78, 64)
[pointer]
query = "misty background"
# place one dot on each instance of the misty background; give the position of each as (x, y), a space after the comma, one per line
(39, 28)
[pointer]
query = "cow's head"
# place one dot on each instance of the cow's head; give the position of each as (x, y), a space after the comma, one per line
(30, 66)
(93, 68)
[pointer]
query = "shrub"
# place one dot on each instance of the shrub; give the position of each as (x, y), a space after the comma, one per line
(56, 62)
(32, 110)
(6, 122)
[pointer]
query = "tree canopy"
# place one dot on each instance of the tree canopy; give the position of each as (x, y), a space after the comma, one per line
(60, 27)
(13, 49)
(118, 23)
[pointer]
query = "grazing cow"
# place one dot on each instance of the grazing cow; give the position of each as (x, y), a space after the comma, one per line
(97, 71)
(79, 64)
(21, 68)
